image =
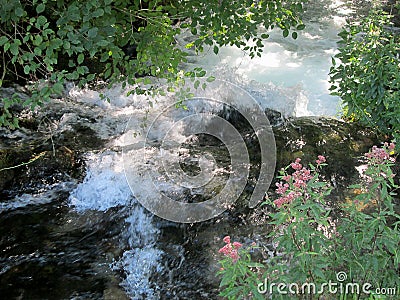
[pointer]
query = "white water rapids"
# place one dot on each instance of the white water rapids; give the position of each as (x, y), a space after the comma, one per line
(291, 77)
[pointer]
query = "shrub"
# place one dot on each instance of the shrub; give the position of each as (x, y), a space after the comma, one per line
(367, 76)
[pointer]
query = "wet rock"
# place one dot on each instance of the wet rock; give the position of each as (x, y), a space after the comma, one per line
(340, 142)
(28, 169)
(115, 293)
(274, 117)
(47, 147)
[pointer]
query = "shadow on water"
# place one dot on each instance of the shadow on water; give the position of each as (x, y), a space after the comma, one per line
(40, 262)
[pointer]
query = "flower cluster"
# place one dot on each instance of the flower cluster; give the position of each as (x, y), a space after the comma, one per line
(231, 249)
(321, 159)
(298, 179)
(381, 155)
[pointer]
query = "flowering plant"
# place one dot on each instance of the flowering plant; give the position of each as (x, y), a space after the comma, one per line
(302, 224)
(238, 271)
(369, 231)
(314, 245)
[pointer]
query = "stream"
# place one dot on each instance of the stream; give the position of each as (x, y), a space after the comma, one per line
(73, 221)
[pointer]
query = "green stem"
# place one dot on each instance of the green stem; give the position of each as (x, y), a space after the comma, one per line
(25, 163)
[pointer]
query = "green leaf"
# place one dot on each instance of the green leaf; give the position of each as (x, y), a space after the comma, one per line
(107, 73)
(300, 27)
(56, 43)
(216, 49)
(19, 12)
(3, 40)
(147, 80)
(202, 73)
(103, 43)
(285, 33)
(81, 70)
(27, 69)
(210, 79)
(14, 48)
(294, 35)
(90, 77)
(92, 32)
(7, 46)
(255, 265)
(98, 13)
(226, 279)
(38, 40)
(80, 59)
(40, 8)
(41, 20)
(58, 88)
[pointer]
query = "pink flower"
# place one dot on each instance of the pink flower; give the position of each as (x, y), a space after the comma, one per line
(321, 159)
(279, 202)
(301, 177)
(287, 178)
(230, 251)
(287, 198)
(226, 250)
(281, 188)
(299, 183)
(306, 174)
(234, 255)
(237, 245)
(296, 165)
(380, 155)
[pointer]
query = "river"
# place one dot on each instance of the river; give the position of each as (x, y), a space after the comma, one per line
(90, 237)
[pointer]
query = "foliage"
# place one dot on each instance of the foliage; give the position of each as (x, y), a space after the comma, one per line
(239, 280)
(367, 78)
(370, 228)
(48, 42)
(314, 249)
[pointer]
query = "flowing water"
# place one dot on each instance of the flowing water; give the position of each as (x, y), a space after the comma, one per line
(89, 238)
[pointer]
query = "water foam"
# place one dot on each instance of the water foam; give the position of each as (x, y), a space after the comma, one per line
(142, 259)
(45, 195)
(105, 187)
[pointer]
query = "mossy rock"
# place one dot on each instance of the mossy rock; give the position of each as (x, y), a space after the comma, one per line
(342, 144)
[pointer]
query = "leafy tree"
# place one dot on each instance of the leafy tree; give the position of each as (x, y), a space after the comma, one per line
(368, 75)
(48, 42)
